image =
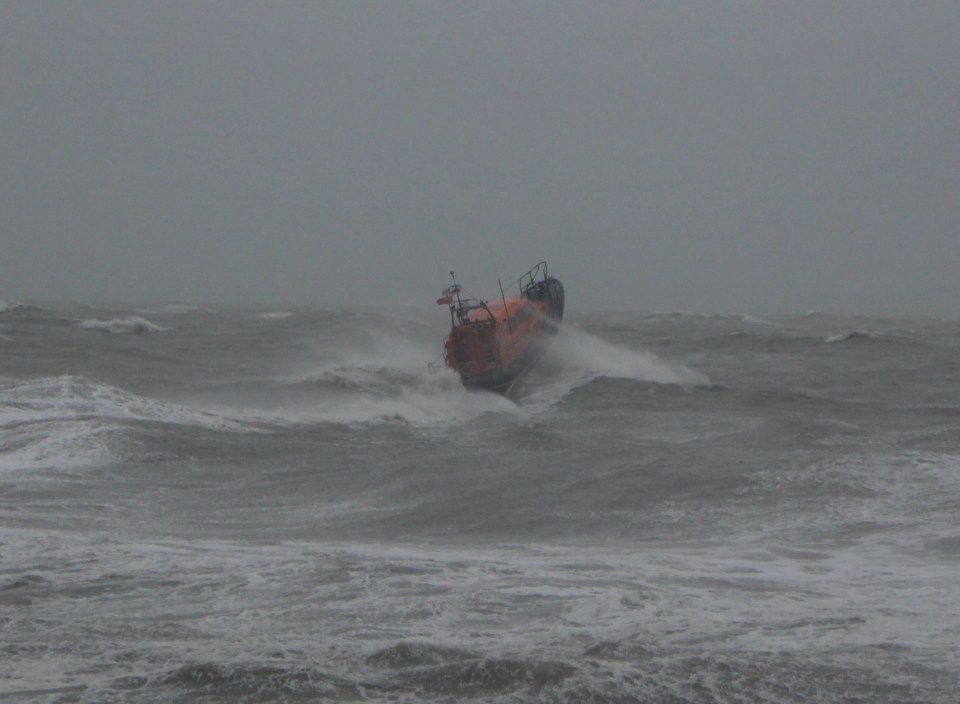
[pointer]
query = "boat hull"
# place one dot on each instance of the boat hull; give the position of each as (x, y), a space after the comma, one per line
(500, 378)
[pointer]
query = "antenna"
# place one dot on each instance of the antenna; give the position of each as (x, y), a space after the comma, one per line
(505, 309)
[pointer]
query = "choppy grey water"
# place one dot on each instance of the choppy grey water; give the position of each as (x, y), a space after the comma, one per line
(289, 506)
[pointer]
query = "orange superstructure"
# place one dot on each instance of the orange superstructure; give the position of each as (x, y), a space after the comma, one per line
(492, 343)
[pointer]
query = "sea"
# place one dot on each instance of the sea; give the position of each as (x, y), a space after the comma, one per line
(222, 505)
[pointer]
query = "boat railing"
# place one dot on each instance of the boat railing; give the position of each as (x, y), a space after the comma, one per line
(530, 284)
(460, 313)
(529, 280)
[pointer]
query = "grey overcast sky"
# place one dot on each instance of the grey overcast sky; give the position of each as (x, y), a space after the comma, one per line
(714, 156)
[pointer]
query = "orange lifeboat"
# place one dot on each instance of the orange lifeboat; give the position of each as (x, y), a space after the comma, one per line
(491, 344)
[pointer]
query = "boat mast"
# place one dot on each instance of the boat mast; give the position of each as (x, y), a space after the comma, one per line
(505, 309)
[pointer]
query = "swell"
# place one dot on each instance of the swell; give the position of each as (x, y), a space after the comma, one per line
(69, 421)
(448, 673)
(606, 672)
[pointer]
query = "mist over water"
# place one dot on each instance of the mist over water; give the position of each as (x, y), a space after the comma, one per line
(578, 351)
(293, 505)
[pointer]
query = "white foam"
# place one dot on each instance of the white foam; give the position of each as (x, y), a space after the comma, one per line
(854, 335)
(82, 443)
(275, 315)
(131, 325)
(7, 307)
(68, 421)
(386, 378)
(379, 394)
(72, 397)
(592, 357)
(339, 601)
(754, 320)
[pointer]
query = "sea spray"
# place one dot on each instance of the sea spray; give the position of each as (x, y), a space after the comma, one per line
(575, 357)
(578, 350)
(383, 377)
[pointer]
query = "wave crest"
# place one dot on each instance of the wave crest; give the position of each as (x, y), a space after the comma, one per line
(68, 421)
(131, 325)
(361, 393)
(855, 335)
(13, 306)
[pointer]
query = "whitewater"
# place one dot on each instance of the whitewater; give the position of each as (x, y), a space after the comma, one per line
(300, 505)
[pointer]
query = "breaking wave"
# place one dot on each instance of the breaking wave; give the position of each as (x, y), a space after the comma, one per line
(854, 335)
(131, 325)
(575, 357)
(68, 421)
(16, 307)
(389, 380)
(361, 393)
(592, 357)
